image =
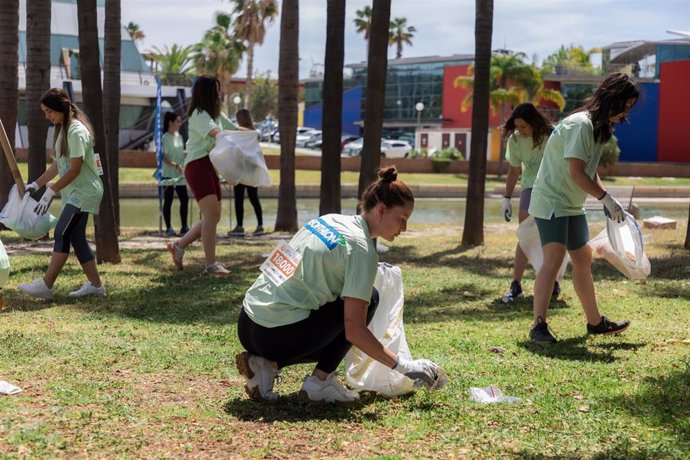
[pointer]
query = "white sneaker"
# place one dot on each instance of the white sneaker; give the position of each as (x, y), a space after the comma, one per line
(258, 375)
(330, 390)
(177, 254)
(87, 289)
(37, 288)
(217, 269)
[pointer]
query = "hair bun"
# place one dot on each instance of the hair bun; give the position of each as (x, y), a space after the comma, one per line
(388, 174)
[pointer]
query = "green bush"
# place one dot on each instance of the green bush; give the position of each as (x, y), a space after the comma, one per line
(440, 164)
(421, 153)
(610, 152)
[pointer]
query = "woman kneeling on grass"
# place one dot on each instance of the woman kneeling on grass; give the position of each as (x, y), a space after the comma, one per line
(323, 308)
(568, 172)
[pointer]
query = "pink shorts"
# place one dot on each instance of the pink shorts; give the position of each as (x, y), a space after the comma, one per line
(202, 178)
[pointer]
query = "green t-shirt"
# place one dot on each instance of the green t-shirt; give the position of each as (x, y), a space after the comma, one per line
(173, 149)
(338, 260)
(521, 153)
(555, 192)
(200, 124)
(86, 190)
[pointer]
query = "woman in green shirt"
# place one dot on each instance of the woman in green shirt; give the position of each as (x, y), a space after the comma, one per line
(80, 190)
(173, 172)
(568, 173)
(527, 130)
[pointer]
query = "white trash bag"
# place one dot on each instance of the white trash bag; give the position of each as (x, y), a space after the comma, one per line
(4, 267)
(622, 246)
(18, 215)
(528, 239)
(365, 373)
(237, 157)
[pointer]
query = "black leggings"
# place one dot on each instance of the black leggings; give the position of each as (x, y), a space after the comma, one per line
(253, 192)
(167, 203)
(71, 230)
(319, 338)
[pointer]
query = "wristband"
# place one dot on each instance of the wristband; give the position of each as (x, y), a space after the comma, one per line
(397, 361)
(602, 196)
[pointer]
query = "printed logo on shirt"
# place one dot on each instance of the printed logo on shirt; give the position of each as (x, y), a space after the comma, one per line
(327, 234)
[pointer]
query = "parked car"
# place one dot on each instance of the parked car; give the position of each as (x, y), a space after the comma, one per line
(306, 136)
(353, 148)
(315, 141)
(347, 138)
(276, 135)
(395, 149)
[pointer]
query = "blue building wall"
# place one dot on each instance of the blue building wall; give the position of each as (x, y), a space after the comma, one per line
(352, 112)
(638, 140)
(668, 53)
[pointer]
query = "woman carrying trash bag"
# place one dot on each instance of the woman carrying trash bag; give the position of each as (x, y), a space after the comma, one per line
(80, 189)
(568, 172)
(323, 306)
(527, 131)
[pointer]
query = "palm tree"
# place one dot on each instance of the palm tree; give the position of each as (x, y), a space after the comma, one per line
(134, 31)
(687, 233)
(573, 59)
(110, 207)
(400, 33)
(249, 25)
(107, 249)
(288, 70)
(332, 123)
(37, 81)
(473, 232)
(9, 82)
(363, 21)
(219, 53)
(175, 63)
(376, 89)
(264, 96)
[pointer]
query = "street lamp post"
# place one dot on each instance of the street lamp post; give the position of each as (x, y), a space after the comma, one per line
(419, 107)
(236, 100)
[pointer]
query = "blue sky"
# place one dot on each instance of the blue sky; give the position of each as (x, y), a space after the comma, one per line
(444, 27)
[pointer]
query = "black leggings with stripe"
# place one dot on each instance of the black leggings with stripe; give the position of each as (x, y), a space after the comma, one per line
(71, 231)
(319, 338)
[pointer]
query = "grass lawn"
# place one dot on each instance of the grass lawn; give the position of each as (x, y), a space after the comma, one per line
(148, 371)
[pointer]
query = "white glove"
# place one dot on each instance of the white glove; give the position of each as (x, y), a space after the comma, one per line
(420, 370)
(507, 208)
(32, 187)
(612, 208)
(43, 205)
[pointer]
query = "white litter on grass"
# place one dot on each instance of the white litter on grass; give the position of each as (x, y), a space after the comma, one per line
(8, 388)
(491, 395)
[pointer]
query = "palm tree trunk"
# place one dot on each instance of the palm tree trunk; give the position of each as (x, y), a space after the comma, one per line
(687, 233)
(473, 233)
(288, 69)
(9, 82)
(107, 249)
(110, 208)
(37, 81)
(377, 66)
(332, 123)
(250, 74)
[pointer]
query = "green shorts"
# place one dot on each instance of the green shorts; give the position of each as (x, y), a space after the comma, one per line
(570, 231)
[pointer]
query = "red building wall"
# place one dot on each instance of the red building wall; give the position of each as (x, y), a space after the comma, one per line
(453, 97)
(674, 100)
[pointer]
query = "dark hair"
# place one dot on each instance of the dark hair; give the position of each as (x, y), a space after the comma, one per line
(387, 190)
(609, 100)
(205, 96)
(244, 118)
(541, 126)
(57, 100)
(169, 118)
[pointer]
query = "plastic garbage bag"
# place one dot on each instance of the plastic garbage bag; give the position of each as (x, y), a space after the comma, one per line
(8, 389)
(528, 239)
(365, 373)
(18, 215)
(4, 266)
(621, 244)
(237, 157)
(491, 395)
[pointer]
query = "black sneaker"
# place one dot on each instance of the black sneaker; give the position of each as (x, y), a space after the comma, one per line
(513, 293)
(540, 333)
(556, 291)
(608, 327)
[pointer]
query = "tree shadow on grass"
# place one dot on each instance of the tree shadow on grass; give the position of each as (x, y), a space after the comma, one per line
(290, 408)
(578, 349)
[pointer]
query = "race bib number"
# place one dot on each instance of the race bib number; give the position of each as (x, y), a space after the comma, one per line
(281, 264)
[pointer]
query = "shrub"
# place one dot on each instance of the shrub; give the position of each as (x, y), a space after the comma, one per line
(421, 153)
(610, 152)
